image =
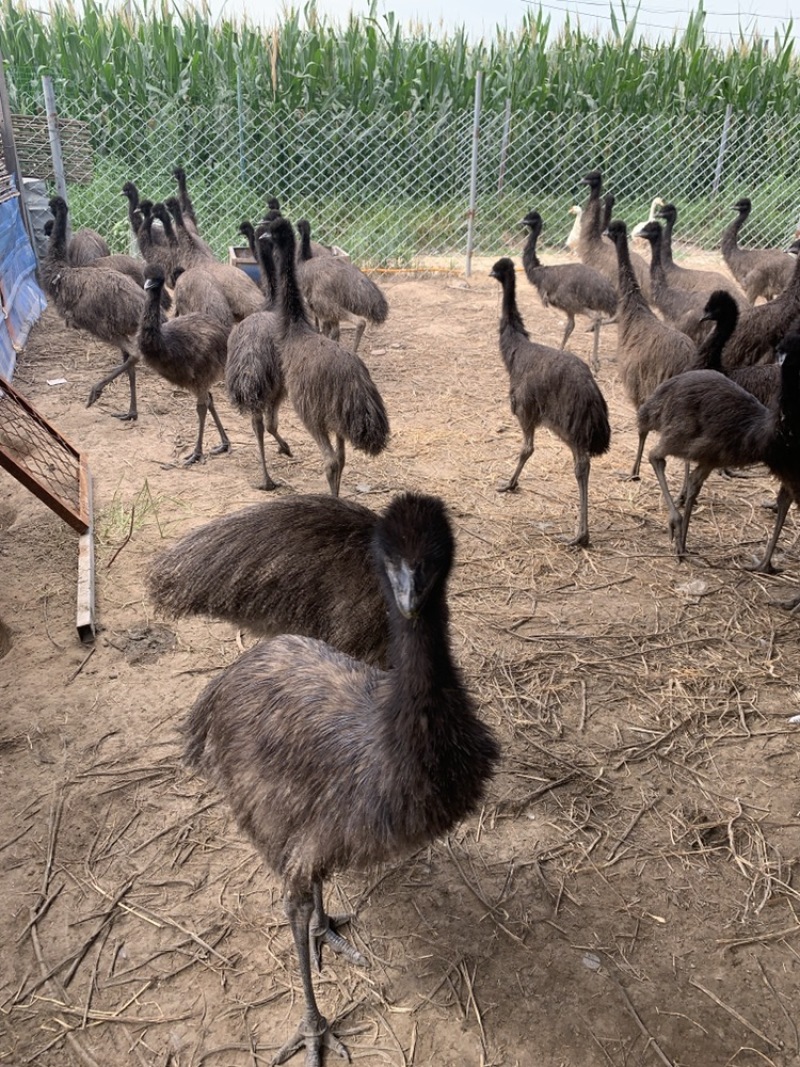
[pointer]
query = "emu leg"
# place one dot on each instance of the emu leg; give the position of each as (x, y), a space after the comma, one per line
(272, 428)
(637, 462)
(197, 452)
(224, 445)
(658, 464)
(582, 467)
(783, 503)
(258, 430)
(313, 1034)
(694, 485)
(568, 330)
(596, 344)
(127, 366)
(525, 454)
(685, 487)
(334, 460)
(362, 325)
(324, 927)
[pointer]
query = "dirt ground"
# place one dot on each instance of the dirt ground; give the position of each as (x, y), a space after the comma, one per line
(628, 895)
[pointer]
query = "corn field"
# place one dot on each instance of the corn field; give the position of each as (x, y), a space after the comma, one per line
(368, 130)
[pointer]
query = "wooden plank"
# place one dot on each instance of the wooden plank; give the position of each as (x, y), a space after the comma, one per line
(85, 612)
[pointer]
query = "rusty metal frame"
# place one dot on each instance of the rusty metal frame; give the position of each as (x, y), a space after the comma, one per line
(80, 520)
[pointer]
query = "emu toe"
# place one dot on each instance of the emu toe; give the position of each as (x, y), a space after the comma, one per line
(94, 395)
(761, 566)
(580, 540)
(125, 416)
(268, 484)
(192, 458)
(329, 934)
(218, 451)
(509, 487)
(313, 1039)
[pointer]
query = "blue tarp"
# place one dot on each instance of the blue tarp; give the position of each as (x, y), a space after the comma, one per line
(21, 299)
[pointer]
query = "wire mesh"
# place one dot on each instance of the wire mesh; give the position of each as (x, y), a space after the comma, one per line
(394, 189)
(32, 450)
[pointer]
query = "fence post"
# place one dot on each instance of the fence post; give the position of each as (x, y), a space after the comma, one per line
(504, 147)
(55, 138)
(240, 113)
(473, 176)
(722, 146)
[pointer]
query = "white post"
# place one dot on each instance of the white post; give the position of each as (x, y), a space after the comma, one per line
(473, 177)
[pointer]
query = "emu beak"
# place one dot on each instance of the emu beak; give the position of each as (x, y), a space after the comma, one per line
(780, 356)
(404, 582)
(150, 283)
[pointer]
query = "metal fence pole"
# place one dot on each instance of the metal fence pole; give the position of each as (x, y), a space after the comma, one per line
(240, 113)
(10, 153)
(473, 176)
(504, 147)
(55, 138)
(726, 125)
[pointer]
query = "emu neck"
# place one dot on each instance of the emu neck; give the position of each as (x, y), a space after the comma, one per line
(657, 276)
(305, 244)
(169, 229)
(628, 285)
(419, 652)
(530, 261)
(709, 353)
(666, 242)
(510, 317)
(57, 249)
(592, 217)
(730, 235)
(266, 264)
(291, 302)
(150, 328)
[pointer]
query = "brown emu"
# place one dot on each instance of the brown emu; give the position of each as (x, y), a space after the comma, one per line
(328, 385)
(705, 418)
(760, 271)
(554, 389)
(649, 350)
(573, 288)
(330, 764)
(336, 289)
(679, 277)
(106, 303)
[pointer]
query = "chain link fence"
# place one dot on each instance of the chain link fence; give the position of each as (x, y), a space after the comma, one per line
(395, 190)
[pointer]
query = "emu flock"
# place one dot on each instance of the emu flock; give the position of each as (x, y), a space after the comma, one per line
(346, 737)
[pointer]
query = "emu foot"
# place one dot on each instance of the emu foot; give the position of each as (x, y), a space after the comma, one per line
(792, 604)
(761, 566)
(192, 458)
(331, 936)
(268, 485)
(218, 451)
(313, 1039)
(580, 540)
(125, 416)
(94, 395)
(284, 450)
(509, 487)
(629, 476)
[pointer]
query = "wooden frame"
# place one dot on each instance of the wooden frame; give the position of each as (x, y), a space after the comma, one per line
(78, 517)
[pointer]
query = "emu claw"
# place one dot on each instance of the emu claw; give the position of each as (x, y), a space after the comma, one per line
(94, 395)
(192, 458)
(220, 449)
(313, 1041)
(331, 936)
(510, 487)
(124, 416)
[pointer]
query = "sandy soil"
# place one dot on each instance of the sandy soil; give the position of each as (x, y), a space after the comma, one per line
(627, 896)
